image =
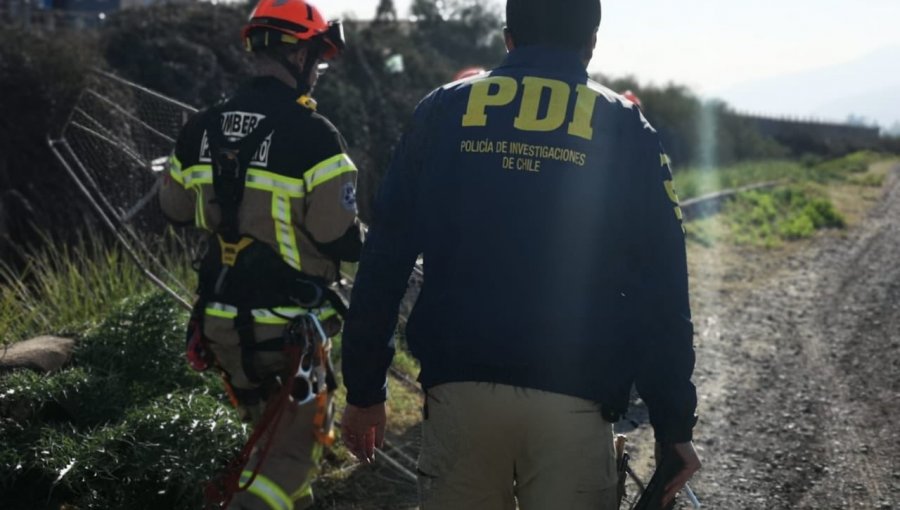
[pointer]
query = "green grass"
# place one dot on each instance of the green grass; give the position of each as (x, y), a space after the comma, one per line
(61, 288)
(768, 218)
(127, 426)
(695, 182)
(874, 180)
(794, 209)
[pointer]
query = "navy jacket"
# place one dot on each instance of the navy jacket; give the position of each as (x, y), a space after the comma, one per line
(553, 249)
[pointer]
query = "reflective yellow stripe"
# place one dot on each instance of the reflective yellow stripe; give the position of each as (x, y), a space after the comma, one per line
(673, 197)
(305, 490)
(670, 190)
(268, 491)
(275, 316)
(326, 313)
(197, 175)
(221, 310)
(327, 170)
(284, 230)
(194, 177)
(268, 181)
(200, 212)
(175, 170)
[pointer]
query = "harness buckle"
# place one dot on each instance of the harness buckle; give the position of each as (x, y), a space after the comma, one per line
(230, 251)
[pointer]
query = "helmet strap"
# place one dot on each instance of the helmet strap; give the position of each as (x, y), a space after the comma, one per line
(302, 75)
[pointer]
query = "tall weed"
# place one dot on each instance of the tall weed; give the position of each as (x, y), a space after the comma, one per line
(64, 287)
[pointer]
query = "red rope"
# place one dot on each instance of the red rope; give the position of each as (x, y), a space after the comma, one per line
(220, 491)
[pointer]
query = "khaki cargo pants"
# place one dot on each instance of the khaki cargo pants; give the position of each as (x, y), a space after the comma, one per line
(488, 446)
(284, 481)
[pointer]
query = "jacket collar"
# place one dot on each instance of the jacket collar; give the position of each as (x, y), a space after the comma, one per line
(546, 57)
(270, 87)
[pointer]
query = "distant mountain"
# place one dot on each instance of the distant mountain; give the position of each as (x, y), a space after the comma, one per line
(868, 87)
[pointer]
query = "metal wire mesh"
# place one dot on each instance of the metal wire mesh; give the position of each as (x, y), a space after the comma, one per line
(122, 133)
(114, 145)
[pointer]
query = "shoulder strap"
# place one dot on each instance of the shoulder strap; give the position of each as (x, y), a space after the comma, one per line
(230, 161)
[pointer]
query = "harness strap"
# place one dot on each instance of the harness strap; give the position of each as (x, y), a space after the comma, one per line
(230, 161)
(243, 324)
(271, 345)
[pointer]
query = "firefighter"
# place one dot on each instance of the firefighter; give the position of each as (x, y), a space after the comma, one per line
(555, 276)
(270, 179)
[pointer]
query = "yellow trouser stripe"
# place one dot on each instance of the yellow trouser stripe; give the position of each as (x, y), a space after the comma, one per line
(268, 491)
(327, 170)
(305, 490)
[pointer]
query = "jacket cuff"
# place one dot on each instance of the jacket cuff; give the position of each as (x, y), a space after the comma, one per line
(365, 399)
(676, 432)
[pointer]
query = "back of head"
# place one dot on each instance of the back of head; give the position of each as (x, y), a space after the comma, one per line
(565, 23)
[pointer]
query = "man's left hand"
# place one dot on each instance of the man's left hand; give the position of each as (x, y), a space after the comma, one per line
(690, 465)
(362, 430)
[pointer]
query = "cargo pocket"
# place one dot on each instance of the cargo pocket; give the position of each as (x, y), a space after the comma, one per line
(596, 470)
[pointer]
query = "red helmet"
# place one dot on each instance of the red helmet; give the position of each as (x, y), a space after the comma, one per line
(289, 22)
(631, 96)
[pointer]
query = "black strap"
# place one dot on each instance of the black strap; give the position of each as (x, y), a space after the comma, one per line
(302, 76)
(230, 161)
(243, 324)
(336, 302)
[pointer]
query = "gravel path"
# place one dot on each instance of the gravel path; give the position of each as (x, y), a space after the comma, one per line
(799, 376)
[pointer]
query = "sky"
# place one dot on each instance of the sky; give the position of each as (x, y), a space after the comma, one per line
(722, 48)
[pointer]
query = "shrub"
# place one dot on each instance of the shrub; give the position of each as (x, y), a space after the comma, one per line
(129, 426)
(765, 218)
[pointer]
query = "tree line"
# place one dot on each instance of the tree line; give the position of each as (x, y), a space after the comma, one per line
(191, 52)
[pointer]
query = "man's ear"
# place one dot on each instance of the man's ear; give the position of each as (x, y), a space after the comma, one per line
(588, 52)
(507, 36)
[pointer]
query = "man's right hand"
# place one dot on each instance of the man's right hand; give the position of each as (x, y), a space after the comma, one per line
(691, 465)
(362, 430)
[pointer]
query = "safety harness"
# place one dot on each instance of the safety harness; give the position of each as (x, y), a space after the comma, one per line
(249, 275)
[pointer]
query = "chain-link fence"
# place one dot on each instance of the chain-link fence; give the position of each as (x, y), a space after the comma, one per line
(114, 145)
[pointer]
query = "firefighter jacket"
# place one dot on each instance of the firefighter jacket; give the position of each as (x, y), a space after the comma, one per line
(300, 188)
(554, 257)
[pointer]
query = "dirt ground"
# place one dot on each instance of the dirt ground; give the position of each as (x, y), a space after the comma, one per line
(798, 374)
(798, 369)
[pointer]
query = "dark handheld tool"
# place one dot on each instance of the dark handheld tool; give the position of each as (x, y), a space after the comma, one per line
(670, 463)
